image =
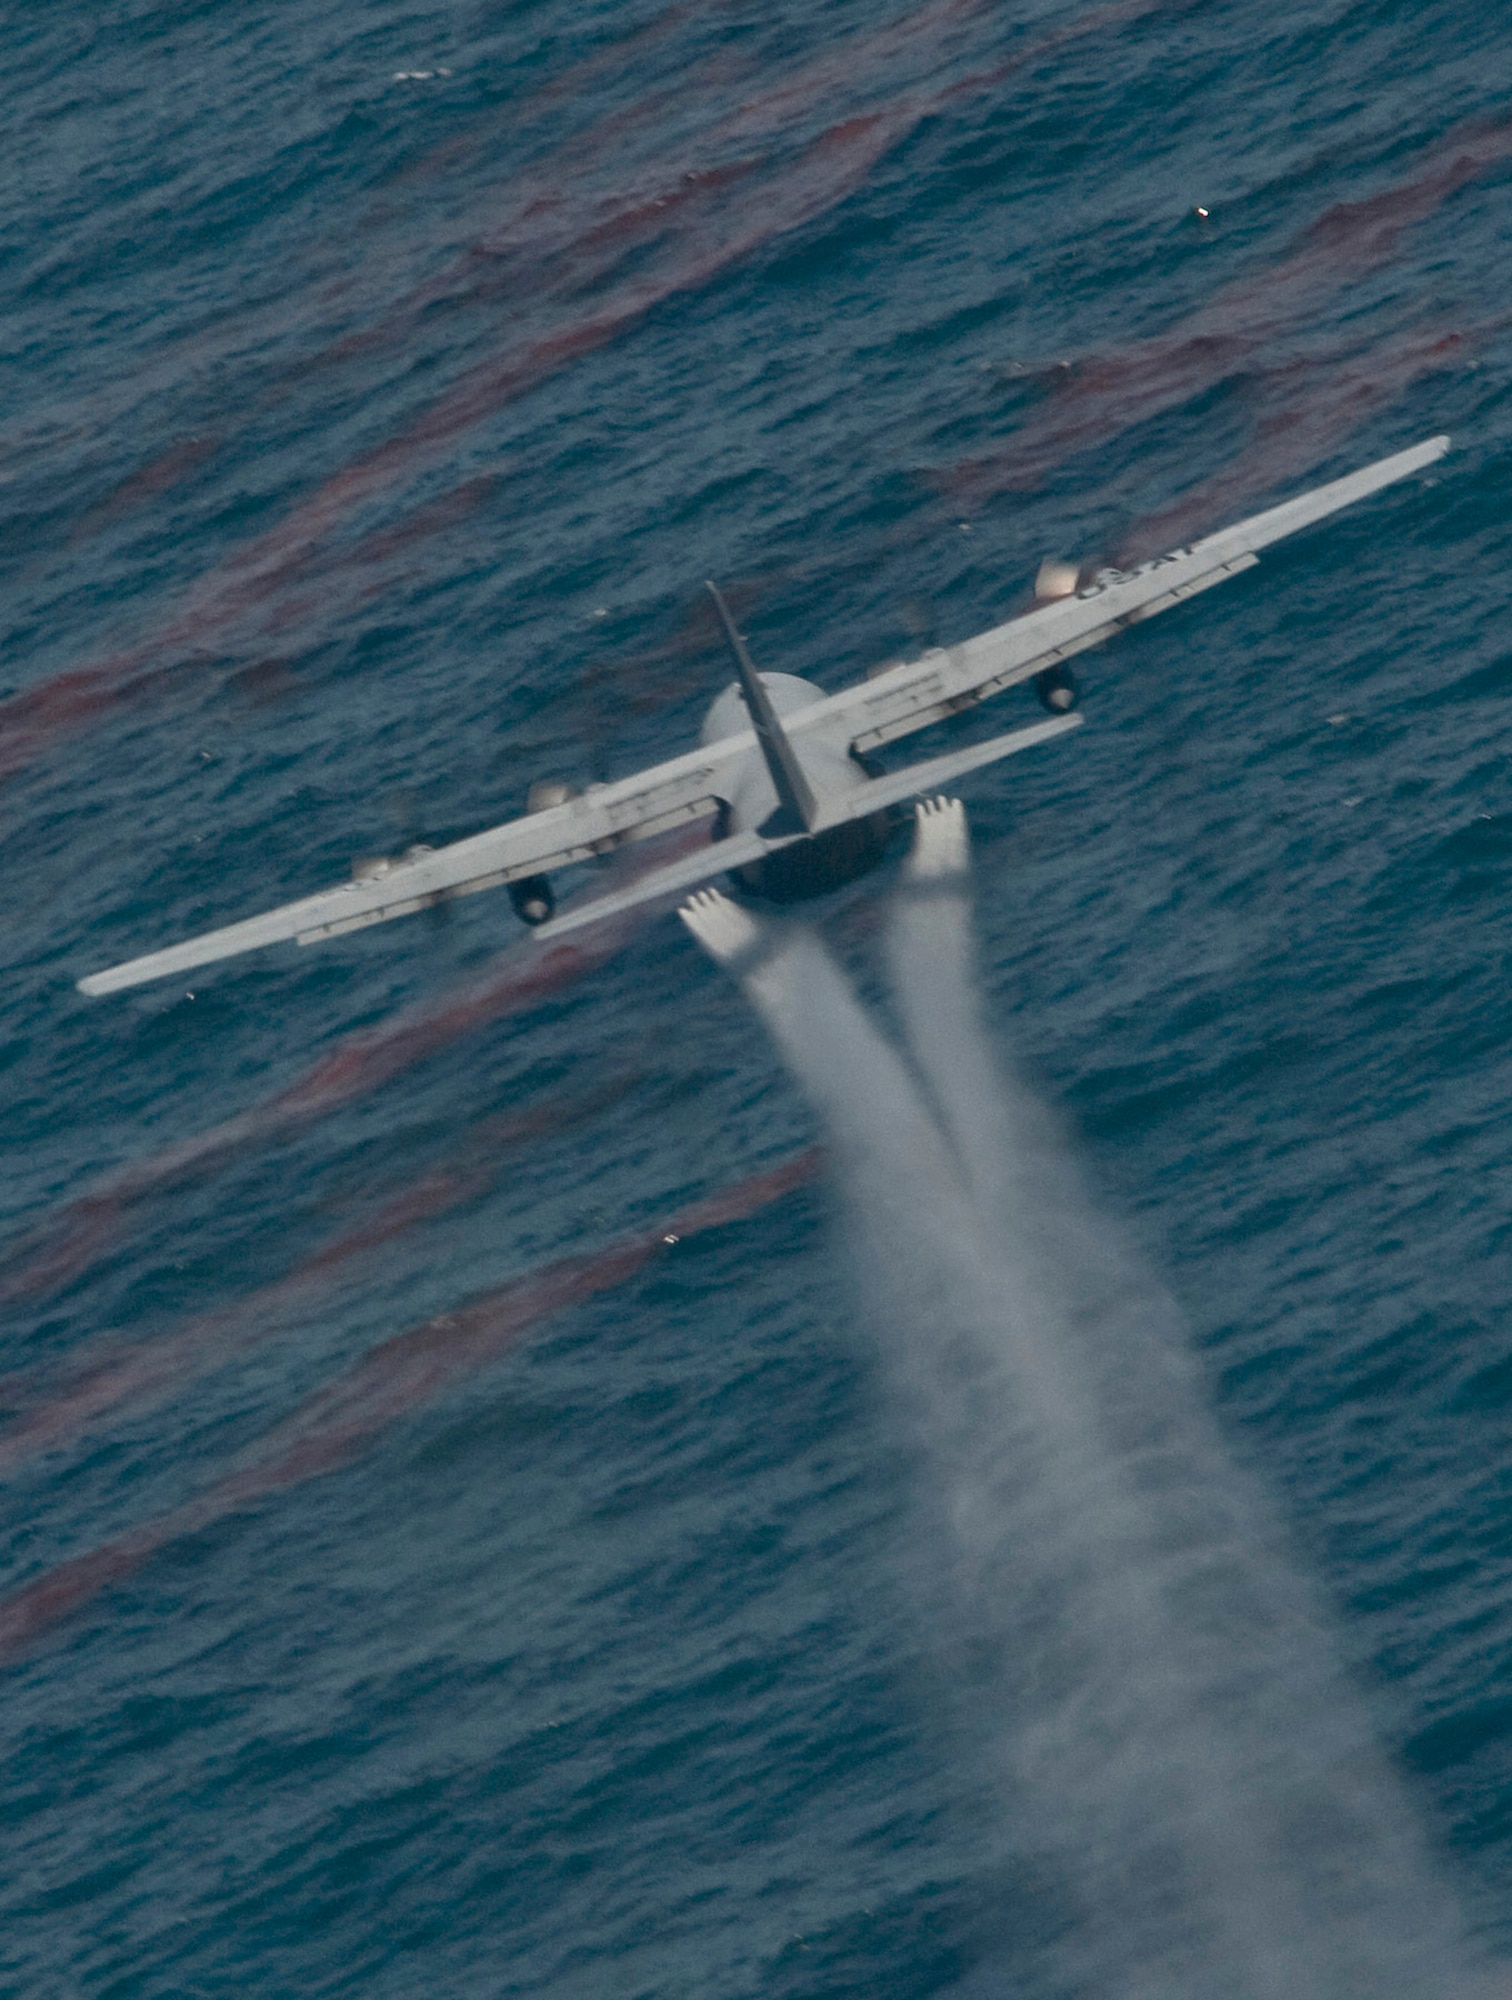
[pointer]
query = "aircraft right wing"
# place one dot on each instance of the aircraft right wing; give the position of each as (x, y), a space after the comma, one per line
(951, 679)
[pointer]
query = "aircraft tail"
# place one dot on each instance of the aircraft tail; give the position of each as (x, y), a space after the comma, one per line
(798, 809)
(873, 795)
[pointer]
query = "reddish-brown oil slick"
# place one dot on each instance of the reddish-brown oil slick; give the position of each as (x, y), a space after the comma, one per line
(56, 1407)
(702, 230)
(1106, 394)
(68, 1241)
(331, 1427)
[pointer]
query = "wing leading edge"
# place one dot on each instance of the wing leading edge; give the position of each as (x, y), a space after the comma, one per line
(895, 703)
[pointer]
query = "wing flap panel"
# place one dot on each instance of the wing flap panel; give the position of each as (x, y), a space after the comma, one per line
(1011, 653)
(942, 706)
(717, 858)
(896, 786)
(875, 795)
(1193, 587)
(339, 926)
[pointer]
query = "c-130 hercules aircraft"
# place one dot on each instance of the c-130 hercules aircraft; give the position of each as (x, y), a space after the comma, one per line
(786, 773)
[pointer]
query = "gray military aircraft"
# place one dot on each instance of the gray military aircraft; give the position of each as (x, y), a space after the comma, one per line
(786, 774)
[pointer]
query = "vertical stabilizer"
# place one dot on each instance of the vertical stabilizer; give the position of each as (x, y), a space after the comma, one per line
(798, 809)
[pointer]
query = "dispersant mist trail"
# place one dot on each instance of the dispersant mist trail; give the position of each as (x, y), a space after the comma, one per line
(1181, 1763)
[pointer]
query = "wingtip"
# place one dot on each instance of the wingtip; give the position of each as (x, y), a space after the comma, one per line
(116, 978)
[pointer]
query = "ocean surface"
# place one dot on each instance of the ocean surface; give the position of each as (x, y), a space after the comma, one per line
(462, 1538)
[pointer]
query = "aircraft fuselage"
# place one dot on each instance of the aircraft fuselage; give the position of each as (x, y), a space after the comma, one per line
(829, 858)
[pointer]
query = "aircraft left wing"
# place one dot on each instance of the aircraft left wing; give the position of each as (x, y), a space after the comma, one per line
(596, 822)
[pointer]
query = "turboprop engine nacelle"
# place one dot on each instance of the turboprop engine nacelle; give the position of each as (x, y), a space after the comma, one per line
(1057, 690)
(532, 898)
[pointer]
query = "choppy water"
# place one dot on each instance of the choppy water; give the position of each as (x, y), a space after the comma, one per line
(1182, 1782)
(422, 1576)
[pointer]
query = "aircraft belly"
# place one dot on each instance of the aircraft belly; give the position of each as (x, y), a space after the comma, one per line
(848, 847)
(827, 861)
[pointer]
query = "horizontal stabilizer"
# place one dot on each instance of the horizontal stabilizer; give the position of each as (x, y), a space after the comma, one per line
(896, 786)
(722, 857)
(715, 859)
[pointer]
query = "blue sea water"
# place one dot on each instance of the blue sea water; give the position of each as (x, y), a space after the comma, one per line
(382, 383)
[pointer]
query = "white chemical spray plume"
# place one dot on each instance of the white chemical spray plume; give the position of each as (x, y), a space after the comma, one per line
(1186, 1773)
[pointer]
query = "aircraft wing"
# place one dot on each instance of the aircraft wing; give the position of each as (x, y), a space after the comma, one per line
(952, 679)
(955, 678)
(862, 718)
(596, 822)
